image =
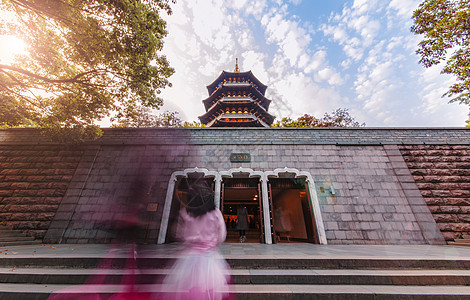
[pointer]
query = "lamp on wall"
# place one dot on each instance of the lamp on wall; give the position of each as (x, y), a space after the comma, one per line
(332, 189)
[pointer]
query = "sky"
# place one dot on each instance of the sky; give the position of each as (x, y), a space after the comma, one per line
(315, 56)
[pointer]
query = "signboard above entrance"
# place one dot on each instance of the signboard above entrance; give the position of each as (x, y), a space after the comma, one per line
(240, 157)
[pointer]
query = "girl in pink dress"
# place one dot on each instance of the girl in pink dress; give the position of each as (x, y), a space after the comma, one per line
(200, 272)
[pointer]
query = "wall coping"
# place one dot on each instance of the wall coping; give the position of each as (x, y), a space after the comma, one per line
(260, 136)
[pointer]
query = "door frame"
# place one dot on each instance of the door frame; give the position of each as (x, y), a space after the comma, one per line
(264, 178)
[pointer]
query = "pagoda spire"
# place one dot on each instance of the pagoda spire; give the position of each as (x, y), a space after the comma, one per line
(236, 66)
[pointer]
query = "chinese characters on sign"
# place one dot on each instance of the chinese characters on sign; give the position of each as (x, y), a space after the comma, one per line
(240, 157)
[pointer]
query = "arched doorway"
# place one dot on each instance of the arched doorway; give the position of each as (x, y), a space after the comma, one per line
(295, 210)
(293, 218)
(266, 194)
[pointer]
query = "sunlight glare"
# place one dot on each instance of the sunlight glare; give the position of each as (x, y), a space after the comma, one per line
(10, 46)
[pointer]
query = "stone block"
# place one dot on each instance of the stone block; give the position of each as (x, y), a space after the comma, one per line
(340, 235)
(402, 171)
(330, 235)
(372, 235)
(424, 217)
(450, 236)
(460, 193)
(420, 209)
(378, 217)
(413, 193)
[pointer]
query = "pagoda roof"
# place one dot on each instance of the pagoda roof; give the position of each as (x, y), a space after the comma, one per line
(250, 104)
(213, 86)
(210, 101)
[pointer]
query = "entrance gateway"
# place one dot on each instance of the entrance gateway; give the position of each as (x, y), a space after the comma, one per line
(282, 204)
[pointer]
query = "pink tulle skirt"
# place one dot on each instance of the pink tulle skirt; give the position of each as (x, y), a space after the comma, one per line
(198, 275)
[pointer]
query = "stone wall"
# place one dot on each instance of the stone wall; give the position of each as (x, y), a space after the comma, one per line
(376, 200)
(442, 173)
(95, 191)
(33, 181)
(371, 204)
(110, 192)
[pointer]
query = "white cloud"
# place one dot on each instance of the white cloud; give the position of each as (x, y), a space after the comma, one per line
(363, 6)
(239, 4)
(295, 2)
(404, 8)
(303, 96)
(254, 61)
(329, 75)
(380, 80)
(314, 62)
(288, 35)
(294, 46)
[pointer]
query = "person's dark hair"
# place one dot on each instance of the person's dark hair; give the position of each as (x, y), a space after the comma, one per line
(200, 199)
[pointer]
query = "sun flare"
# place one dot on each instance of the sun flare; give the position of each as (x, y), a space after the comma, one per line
(10, 46)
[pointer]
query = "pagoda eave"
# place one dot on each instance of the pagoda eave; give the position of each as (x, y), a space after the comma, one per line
(213, 86)
(237, 121)
(209, 101)
(224, 105)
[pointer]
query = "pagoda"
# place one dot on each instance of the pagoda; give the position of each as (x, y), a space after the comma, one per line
(236, 99)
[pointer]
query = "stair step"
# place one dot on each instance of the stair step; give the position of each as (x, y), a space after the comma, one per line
(20, 243)
(149, 276)
(10, 232)
(16, 238)
(243, 262)
(269, 272)
(459, 244)
(252, 291)
(462, 241)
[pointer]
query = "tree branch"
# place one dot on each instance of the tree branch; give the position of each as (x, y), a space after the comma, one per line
(38, 10)
(74, 79)
(20, 96)
(13, 78)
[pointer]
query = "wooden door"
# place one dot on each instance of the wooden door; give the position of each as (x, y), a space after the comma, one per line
(310, 219)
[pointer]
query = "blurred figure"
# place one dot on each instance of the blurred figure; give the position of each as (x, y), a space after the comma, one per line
(200, 272)
(242, 222)
(282, 223)
(126, 226)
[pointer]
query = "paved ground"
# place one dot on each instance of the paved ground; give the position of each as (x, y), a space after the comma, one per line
(236, 250)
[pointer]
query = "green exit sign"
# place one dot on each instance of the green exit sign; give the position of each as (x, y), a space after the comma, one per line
(240, 157)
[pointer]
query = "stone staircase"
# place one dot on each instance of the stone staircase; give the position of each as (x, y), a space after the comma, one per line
(260, 277)
(464, 241)
(10, 237)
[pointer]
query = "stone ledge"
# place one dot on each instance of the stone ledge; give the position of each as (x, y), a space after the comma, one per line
(265, 136)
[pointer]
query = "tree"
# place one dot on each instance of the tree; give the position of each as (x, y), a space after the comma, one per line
(445, 26)
(192, 124)
(338, 118)
(144, 117)
(86, 61)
